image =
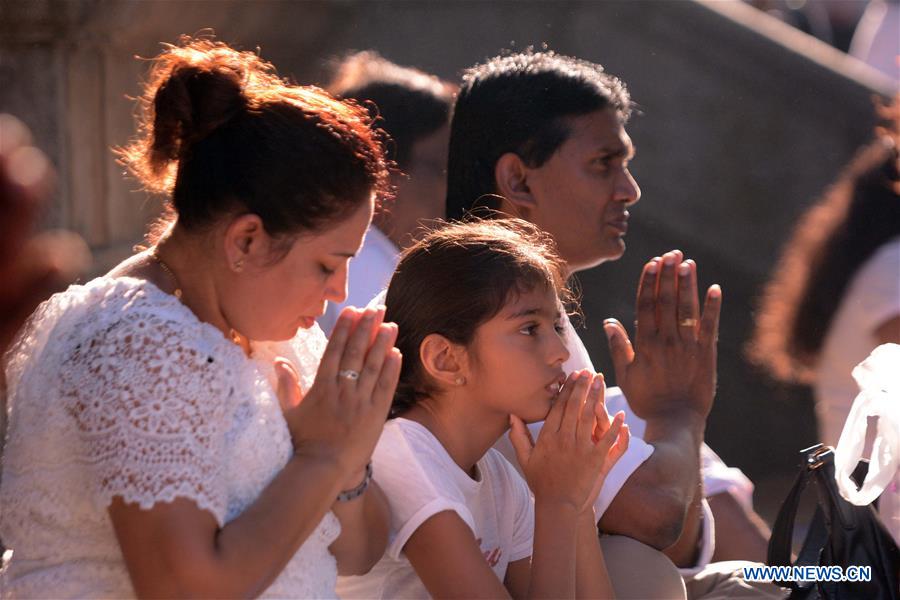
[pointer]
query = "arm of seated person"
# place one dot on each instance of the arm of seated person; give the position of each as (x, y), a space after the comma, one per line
(459, 570)
(176, 549)
(669, 380)
(654, 502)
(364, 531)
(685, 552)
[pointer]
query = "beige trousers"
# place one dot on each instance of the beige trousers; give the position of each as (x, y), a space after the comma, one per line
(639, 572)
(725, 579)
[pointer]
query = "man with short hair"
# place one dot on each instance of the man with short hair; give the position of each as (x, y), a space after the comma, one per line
(413, 109)
(542, 136)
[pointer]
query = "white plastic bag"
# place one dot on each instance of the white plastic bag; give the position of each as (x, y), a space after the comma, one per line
(878, 378)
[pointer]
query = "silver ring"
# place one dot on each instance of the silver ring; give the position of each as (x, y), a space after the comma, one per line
(349, 374)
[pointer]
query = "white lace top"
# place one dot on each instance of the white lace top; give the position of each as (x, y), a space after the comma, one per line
(116, 389)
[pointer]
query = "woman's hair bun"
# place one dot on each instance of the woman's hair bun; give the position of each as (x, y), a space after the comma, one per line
(219, 132)
(191, 103)
(191, 89)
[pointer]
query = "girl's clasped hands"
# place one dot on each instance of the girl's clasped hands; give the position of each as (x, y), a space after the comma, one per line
(577, 446)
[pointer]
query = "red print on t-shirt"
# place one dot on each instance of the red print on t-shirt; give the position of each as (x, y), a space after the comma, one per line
(491, 556)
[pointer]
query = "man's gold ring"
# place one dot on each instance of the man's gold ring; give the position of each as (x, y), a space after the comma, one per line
(688, 322)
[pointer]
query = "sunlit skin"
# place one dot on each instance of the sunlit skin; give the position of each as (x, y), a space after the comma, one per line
(272, 301)
(581, 194)
(235, 277)
(526, 333)
(512, 366)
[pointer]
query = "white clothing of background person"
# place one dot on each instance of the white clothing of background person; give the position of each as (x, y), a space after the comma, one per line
(879, 396)
(116, 389)
(369, 273)
(420, 480)
(876, 41)
(871, 299)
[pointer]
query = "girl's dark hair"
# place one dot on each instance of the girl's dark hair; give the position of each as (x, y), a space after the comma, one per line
(221, 133)
(457, 278)
(833, 240)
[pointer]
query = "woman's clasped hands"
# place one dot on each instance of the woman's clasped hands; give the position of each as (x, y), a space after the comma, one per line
(342, 415)
(577, 446)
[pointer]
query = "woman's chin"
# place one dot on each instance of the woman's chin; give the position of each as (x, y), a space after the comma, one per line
(280, 335)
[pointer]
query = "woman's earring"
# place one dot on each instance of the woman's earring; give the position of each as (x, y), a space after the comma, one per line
(239, 264)
(460, 381)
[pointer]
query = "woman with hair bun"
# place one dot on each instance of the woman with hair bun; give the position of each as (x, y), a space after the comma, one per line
(158, 445)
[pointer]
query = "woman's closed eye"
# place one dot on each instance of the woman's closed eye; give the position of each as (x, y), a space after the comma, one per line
(326, 271)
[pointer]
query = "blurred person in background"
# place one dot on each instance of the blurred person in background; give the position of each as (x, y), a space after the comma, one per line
(835, 294)
(31, 266)
(157, 443)
(541, 136)
(413, 108)
(831, 21)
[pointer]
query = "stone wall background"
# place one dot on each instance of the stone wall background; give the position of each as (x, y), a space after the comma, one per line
(744, 123)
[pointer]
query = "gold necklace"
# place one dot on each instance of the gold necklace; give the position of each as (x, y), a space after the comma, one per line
(233, 335)
(168, 272)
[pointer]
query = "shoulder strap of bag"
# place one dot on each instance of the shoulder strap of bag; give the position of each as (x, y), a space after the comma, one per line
(781, 542)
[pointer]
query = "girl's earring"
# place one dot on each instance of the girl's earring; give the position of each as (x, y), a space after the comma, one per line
(239, 264)
(460, 381)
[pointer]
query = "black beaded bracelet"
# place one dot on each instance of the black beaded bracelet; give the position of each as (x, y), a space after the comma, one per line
(356, 492)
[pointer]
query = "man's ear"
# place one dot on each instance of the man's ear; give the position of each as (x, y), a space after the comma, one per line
(445, 362)
(246, 241)
(511, 177)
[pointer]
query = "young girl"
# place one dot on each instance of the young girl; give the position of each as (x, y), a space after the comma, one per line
(478, 311)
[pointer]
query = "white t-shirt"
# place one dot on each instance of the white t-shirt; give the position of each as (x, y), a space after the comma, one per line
(872, 298)
(369, 273)
(420, 480)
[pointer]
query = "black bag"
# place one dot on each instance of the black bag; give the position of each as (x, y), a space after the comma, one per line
(841, 534)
